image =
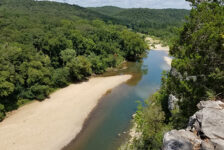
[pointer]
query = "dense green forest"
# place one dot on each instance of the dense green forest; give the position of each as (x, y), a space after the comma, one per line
(162, 23)
(197, 74)
(47, 45)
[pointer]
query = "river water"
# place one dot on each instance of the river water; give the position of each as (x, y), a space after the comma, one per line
(107, 126)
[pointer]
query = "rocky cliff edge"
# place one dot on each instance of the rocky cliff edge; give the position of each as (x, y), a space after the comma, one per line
(205, 130)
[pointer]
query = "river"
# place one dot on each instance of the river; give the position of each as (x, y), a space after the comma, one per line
(107, 126)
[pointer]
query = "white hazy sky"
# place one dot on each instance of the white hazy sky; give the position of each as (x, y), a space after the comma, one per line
(130, 3)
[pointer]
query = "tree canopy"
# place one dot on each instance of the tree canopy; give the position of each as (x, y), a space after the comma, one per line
(162, 23)
(47, 45)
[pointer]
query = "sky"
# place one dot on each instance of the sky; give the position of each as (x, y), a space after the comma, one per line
(130, 3)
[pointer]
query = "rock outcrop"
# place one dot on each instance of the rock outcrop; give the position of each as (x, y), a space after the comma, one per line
(176, 74)
(185, 76)
(172, 102)
(205, 130)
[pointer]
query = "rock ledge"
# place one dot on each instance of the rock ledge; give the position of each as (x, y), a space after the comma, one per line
(205, 130)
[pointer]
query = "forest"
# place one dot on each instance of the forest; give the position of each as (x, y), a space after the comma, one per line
(46, 45)
(162, 23)
(197, 74)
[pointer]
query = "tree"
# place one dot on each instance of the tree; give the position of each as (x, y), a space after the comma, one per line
(6, 88)
(61, 77)
(67, 55)
(98, 64)
(199, 54)
(80, 68)
(197, 2)
(36, 77)
(133, 46)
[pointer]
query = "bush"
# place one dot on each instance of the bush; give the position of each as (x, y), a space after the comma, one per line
(80, 68)
(151, 123)
(2, 112)
(40, 92)
(61, 77)
(98, 65)
(67, 55)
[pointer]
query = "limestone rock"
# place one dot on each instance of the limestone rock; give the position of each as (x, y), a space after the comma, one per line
(207, 145)
(211, 118)
(205, 130)
(181, 140)
(185, 76)
(210, 104)
(176, 74)
(191, 78)
(172, 102)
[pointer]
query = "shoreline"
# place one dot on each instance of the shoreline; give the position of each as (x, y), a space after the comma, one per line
(168, 60)
(157, 46)
(133, 133)
(54, 122)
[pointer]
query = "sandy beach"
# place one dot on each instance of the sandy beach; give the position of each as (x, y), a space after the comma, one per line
(53, 123)
(158, 47)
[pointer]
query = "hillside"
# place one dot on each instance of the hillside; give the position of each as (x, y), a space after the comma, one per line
(52, 8)
(48, 45)
(157, 22)
(108, 10)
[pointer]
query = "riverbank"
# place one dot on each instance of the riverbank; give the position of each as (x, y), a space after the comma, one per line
(156, 44)
(53, 123)
(133, 133)
(110, 120)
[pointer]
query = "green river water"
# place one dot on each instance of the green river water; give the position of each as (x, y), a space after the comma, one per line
(107, 126)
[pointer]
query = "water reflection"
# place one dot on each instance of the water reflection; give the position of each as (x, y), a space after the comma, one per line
(107, 125)
(136, 69)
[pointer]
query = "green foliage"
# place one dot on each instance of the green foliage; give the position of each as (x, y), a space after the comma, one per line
(67, 55)
(6, 88)
(197, 2)
(133, 45)
(162, 23)
(22, 102)
(80, 68)
(98, 65)
(47, 45)
(2, 112)
(151, 123)
(61, 77)
(199, 53)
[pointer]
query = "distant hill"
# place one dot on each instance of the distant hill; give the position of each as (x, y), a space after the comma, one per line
(49, 8)
(108, 10)
(157, 22)
(144, 17)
